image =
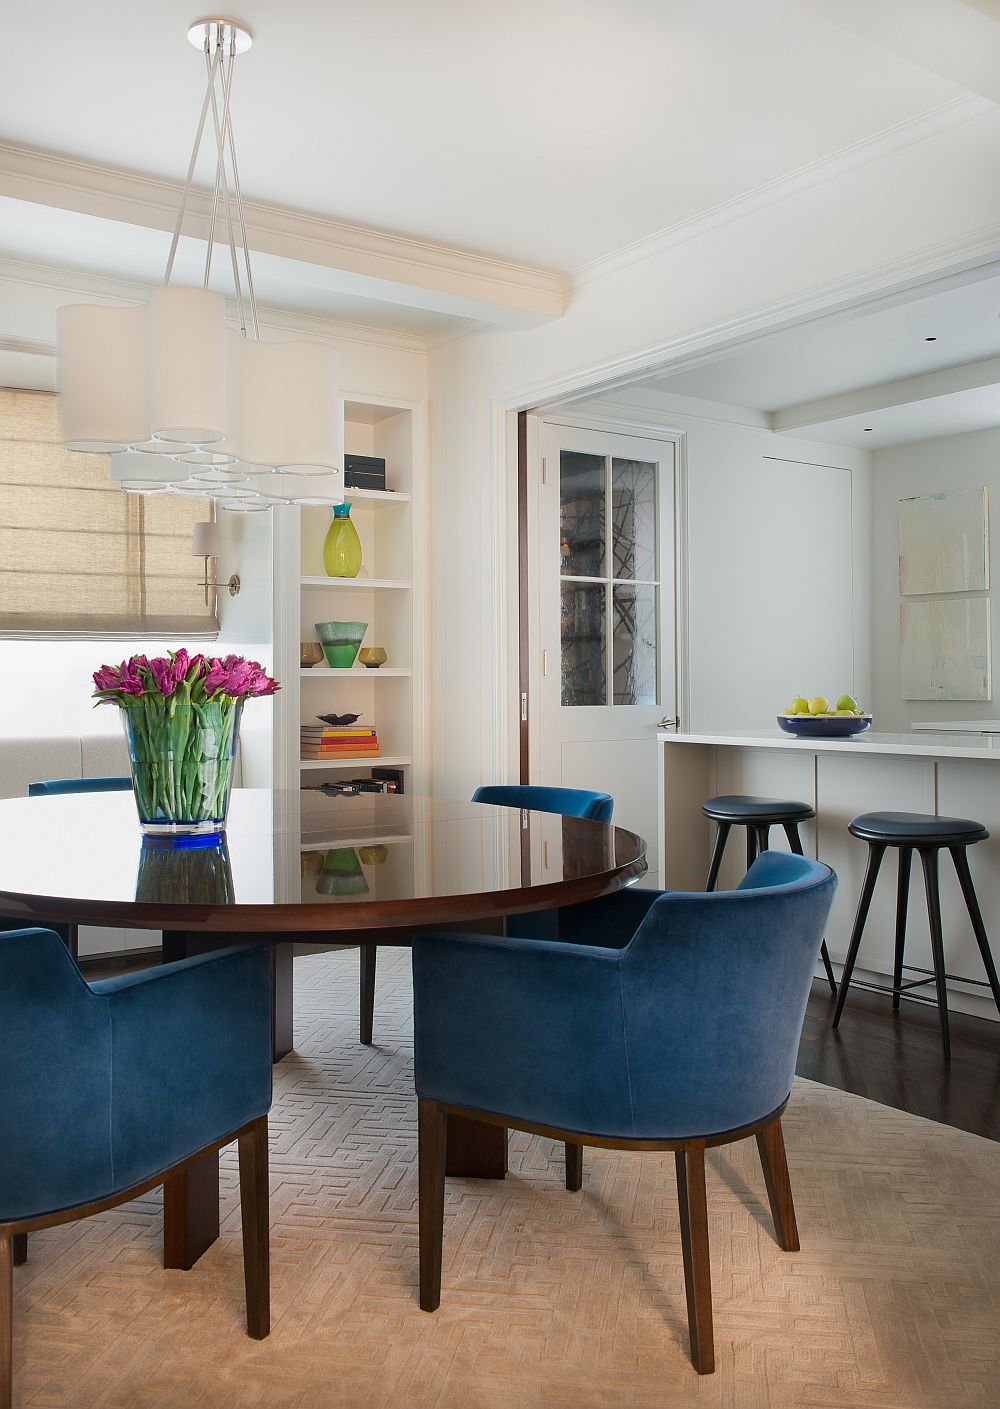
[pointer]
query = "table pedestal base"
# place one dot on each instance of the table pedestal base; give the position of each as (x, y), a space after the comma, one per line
(191, 1212)
(475, 1150)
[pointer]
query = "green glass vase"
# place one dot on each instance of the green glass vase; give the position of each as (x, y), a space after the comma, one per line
(342, 546)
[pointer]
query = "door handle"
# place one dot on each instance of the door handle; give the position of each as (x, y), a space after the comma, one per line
(669, 721)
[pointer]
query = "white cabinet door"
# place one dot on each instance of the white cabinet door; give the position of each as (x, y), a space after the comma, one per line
(606, 616)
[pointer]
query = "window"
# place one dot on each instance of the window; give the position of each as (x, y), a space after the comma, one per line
(609, 585)
(78, 556)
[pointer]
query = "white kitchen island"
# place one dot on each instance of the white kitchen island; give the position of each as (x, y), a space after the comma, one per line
(951, 775)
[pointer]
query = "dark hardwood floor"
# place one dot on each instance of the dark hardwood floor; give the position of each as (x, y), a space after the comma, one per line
(895, 1058)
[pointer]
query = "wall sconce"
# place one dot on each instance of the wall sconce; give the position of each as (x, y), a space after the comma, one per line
(205, 543)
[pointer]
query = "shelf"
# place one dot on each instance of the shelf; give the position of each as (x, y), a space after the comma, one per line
(358, 584)
(354, 672)
(384, 760)
(376, 498)
(359, 839)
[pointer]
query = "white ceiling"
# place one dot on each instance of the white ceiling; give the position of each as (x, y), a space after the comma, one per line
(838, 379)
(831, 356)
(550, 134)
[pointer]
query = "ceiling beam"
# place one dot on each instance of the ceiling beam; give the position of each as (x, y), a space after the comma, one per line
(871, 399)
(359, 261)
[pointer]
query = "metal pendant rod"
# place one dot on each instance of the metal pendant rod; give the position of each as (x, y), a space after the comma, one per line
(221, 147)
(211, 227)
(242, 224)
(209, 92)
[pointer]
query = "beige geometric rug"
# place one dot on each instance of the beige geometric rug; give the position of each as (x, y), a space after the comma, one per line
(568, 1301)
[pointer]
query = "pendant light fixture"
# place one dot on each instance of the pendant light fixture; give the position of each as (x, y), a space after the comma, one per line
(180, 402)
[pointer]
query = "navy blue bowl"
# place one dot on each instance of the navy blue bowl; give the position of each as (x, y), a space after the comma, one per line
(810, 726)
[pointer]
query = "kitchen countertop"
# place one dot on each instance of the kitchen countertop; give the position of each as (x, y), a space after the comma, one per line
(970, 746)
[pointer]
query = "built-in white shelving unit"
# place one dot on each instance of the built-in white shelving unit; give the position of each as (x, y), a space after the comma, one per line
(389, 595)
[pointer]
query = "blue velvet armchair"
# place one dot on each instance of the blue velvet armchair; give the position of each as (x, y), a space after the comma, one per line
(111, 1088)
(675, 1028)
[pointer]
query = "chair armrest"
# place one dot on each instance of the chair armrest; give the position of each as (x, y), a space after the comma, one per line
(190, 1056)
(529, 1028)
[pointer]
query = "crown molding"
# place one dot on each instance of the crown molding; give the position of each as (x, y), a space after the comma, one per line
(70, 281)
(408, 270)
(955, 113)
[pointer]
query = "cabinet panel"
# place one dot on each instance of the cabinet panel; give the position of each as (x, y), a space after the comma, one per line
(967, 789)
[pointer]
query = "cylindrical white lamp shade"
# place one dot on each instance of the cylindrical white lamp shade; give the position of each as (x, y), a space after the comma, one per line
(205, 541)
(290, 413)
(133, 468)
(102, 376)
(188, 378)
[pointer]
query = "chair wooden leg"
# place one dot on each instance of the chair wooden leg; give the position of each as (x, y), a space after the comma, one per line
(432, 1139)
(694, 1241)
(6, 1323)
(20, 1249)
(255, 1209)
(722, 832)
(369, 957)
(574, 1167)
(771, 1146)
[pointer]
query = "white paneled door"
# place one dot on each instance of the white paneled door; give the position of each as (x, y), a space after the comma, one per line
(606, 616)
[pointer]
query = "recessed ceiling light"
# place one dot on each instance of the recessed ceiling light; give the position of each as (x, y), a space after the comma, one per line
(930, 339)
(869, 428)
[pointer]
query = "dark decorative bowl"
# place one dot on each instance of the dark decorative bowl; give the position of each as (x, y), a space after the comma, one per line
(811, 726)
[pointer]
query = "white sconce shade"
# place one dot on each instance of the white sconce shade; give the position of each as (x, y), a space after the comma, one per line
(290, 414)
(188, 378)
(205, 541)
(102, 376)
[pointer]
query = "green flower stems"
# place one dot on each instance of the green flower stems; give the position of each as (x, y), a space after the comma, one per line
(182, 754)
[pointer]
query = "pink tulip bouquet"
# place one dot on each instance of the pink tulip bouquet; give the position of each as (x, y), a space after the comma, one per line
(182, 719)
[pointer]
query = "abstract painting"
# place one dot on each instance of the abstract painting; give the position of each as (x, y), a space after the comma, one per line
(943, 543)
(945, 649)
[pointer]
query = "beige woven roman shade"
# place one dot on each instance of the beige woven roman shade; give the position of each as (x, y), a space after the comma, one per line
(77, 556)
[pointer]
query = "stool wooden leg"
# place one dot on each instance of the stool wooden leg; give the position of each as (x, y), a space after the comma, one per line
(724, 828)
(751, 846)
(929, 858)
(795, 844)
(902, 898)
(961, 860)
(763, 838)
(876, 850)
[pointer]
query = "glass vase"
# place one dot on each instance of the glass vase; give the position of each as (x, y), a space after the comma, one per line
(182, 757)
(342, 546)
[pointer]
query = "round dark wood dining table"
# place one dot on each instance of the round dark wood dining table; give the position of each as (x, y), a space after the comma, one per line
(304, 867)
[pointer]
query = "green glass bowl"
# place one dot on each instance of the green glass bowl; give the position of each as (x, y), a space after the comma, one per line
(341, 641)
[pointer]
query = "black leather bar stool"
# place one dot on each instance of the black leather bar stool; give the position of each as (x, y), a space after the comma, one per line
(758, 815)
(909, 832)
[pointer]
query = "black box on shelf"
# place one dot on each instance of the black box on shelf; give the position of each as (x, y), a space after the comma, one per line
(364, 472)
(392, 776)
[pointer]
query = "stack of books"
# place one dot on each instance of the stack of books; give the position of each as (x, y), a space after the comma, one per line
(327, 741)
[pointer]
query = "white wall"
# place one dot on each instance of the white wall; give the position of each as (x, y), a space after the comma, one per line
(879, 225)
(900, 472)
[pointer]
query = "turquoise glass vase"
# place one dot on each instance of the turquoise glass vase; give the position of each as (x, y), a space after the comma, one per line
(342, 546)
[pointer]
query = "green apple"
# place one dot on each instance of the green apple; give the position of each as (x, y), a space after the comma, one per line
(799, 705)
(819, 704)
(847, 704)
